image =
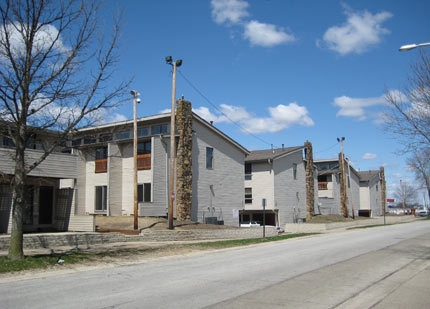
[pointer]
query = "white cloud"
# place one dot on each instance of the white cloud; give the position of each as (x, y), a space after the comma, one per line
(356, 107)
(229, 11)
(266, 35)
(46, 36)
(234, 12)
(369, 156)
(280, 117)
(358, 33)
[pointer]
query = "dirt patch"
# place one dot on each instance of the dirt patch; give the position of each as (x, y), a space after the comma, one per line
(333, 218)
(125, 224)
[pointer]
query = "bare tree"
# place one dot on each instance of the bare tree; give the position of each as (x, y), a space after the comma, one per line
(55, 66)
(406, 194)
(420, 164)
(408, 116)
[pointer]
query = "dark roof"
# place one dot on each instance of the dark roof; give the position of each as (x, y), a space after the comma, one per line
(264, 155)
(368, 175)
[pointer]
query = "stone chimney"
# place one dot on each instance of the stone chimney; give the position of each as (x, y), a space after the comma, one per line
(184, 170)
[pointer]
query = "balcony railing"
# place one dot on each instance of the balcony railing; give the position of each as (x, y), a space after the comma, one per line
(322, 185)
(101, 166)
(144, 161)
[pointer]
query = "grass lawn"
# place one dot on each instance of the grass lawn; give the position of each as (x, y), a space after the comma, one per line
(76, 257)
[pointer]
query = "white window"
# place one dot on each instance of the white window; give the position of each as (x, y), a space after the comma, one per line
(101, 198)
(144, 192)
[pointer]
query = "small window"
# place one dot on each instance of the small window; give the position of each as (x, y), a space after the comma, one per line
(159, 129)
(142, 132)
(105, 138)
(248, 195)
(248, 171)
(144, 147)
(8, 142)
(77, 142)
(209, 157)
(101, 153)
(122, 135)
(144, 192)
(294, 171)
(101, 198)
(89, 140)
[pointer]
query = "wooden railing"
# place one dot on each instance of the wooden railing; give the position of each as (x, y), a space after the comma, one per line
(144, 161)
(322, 185)
(101, 166)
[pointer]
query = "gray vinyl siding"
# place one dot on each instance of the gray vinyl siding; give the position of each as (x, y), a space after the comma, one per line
(115, 180)
(290, 193)
(220, 188)
(160, 168)
(81, 184)
(330, 206)
(353, 193)
(56, 165)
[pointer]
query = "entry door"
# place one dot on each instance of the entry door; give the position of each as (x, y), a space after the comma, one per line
(45, 205)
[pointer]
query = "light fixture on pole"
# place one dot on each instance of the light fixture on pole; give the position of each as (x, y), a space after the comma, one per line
(412, 46)
(174, 64)
(136, 100)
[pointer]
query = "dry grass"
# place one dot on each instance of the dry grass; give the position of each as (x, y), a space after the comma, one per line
(333, 218)
(125, 224)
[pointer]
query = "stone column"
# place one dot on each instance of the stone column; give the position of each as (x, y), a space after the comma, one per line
(310, 185)
(184, 172)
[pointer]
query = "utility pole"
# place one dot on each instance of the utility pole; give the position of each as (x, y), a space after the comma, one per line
(174, 64)
(344, 197)
(136, 100)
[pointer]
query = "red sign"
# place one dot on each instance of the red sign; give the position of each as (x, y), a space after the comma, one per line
(390, 200)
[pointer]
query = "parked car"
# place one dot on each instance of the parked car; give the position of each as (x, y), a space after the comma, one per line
(422, 212)
(249, 224)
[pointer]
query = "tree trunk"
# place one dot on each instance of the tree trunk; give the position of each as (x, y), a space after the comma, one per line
(16, 251)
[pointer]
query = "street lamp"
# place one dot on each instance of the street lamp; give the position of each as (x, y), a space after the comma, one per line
(174, 64)
(412, 46)
(136, 100)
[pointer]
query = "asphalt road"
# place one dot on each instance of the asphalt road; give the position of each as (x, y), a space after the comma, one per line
(383, 267)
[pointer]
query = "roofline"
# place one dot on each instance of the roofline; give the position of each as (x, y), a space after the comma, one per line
(167, 116)
(124, 122)
(219, 132)
(295, 149)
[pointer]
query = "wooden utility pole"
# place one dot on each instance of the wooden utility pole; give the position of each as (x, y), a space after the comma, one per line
(343, 195)
(174, 64)
(383, 189)
(136, 100)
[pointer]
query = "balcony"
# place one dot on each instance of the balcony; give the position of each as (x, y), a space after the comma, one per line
(101, 165)
(322, 185)
(144, 161)
(56, 165)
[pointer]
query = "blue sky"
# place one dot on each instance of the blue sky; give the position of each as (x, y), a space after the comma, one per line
(279, 72)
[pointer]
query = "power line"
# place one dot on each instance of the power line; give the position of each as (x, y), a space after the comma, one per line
(220, 111)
